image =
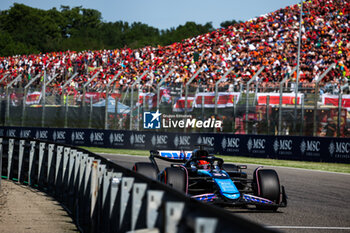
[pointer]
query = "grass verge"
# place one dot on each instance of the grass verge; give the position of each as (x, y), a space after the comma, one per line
(331, 167)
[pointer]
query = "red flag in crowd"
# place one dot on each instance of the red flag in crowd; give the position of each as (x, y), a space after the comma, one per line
(287, 98)
(334, 100)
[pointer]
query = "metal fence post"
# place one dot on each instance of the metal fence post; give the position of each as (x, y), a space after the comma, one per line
(132, 97)
(85, 86)
(159, 84)
(302, 114)
(90, 113)
(280, 102)
(186, 87)
(234, 114)
(44, 100)
(268, 114)
(247, 97)
(222, 79)
(339, 113)
(7, 113)
(25, 91)
(316, 97)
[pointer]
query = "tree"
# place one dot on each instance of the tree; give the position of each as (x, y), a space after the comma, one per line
(228, 23)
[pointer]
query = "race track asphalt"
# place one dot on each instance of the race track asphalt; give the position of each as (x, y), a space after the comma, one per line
(317, 201)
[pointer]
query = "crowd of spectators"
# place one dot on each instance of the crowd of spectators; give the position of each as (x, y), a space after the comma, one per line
(270, 40)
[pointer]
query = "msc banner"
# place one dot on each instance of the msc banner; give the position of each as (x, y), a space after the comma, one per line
(324, 149)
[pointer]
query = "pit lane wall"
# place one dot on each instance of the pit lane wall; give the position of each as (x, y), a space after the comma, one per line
(104, 197)
(319, 149)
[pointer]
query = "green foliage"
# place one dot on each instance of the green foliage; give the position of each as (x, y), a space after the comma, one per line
(27, 30)
(227, 23)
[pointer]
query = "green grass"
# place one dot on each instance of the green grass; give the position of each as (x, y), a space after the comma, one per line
(331, 167)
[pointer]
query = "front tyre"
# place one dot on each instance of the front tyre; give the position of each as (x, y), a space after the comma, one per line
(267, 185)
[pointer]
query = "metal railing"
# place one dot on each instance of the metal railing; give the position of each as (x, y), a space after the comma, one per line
(265, 109)
(104, 197)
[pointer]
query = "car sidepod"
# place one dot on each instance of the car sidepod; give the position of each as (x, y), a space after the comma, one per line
(223, 182)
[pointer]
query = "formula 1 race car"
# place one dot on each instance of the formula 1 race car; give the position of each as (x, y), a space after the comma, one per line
(208, 179)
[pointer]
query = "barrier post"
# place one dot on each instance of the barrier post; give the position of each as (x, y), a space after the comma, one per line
(173, 215)
(138, 206)
(205, 225)
(49, 162)
(9, 161)
(114, 189)
(154, 201)
(124, 208)
(20, 159)
(94, 193)
(31, 162)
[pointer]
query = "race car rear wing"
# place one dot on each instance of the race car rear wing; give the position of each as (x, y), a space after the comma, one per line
(171, 155)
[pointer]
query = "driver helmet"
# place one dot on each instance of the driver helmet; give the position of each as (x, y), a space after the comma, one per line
(203, 164)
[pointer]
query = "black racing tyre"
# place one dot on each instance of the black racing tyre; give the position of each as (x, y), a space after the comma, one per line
(176, 178)
(146, 169)
(267, 185)
(230, 167)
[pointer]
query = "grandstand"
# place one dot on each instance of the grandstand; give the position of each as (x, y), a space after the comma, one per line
(248, 60)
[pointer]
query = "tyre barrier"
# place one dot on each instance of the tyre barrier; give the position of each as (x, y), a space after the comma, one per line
(102, 196)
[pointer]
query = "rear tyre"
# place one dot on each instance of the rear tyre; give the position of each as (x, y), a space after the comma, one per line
(267, 185)
(146, 169)
(175, 177)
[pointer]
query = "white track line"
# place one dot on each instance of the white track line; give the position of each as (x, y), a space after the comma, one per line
(303, 169)
(308, 227)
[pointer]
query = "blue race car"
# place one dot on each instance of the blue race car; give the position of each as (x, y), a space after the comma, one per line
(208, 179)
